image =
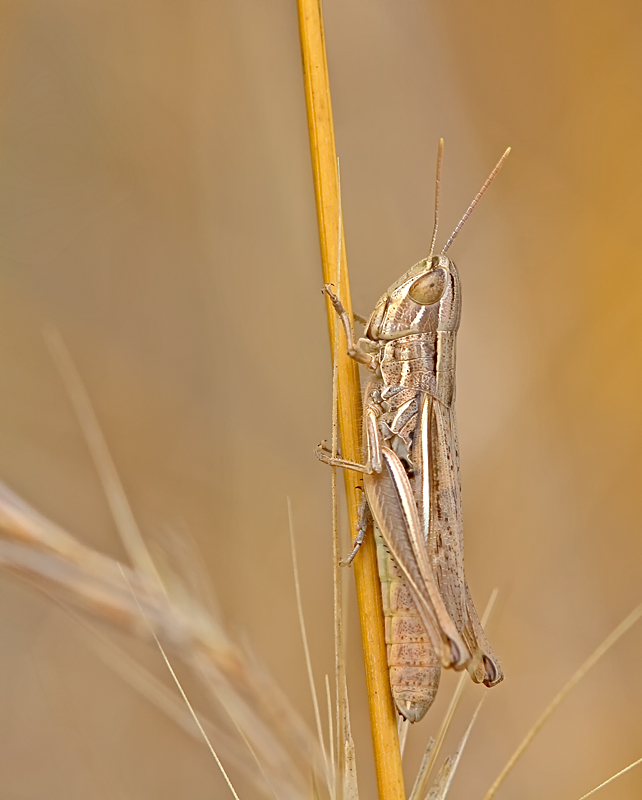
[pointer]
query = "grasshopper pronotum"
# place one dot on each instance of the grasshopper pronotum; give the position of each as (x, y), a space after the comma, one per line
(411, 477)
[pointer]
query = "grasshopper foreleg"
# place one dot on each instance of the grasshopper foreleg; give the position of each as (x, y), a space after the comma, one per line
(354, 351)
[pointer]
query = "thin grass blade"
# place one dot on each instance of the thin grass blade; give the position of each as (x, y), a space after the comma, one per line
(422, 775)
(402, 730)
(611, 779)
(559, 698)
(306, 650)
(185, 698)
(453, 762)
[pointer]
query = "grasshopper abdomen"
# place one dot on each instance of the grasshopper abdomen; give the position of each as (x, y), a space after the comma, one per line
(413, 666)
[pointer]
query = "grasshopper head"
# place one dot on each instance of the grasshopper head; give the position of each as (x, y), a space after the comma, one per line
(425, 299)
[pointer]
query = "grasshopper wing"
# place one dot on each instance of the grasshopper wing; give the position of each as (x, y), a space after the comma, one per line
(391, 500)
(436, 453)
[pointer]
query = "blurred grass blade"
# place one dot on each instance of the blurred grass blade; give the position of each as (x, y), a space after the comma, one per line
(427, 767)
(121, 510)
(184, 696)
(422, 774)
(603, 648)
(146, 684)
(611, 779)
(402, 731)
(330, 708)
(453, 762)
(306, 650)
(59, 565)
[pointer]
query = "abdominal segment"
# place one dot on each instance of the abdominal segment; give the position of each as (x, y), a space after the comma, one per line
(413, 665)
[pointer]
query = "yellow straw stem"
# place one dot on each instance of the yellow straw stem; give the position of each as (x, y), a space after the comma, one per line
(383, 717)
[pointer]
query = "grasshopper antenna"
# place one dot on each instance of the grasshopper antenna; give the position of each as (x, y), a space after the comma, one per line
(478, 197)
(440, 153)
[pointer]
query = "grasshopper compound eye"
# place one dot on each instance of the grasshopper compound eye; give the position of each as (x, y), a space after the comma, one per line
(429, 287)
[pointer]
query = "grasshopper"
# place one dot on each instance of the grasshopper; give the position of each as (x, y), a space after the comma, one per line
(411, 477)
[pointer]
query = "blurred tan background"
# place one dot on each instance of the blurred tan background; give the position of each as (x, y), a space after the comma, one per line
(157, 207)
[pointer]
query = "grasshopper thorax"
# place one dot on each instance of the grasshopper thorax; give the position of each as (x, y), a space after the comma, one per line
(426, 299)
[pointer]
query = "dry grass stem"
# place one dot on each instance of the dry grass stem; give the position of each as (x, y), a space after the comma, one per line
(382, 713)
